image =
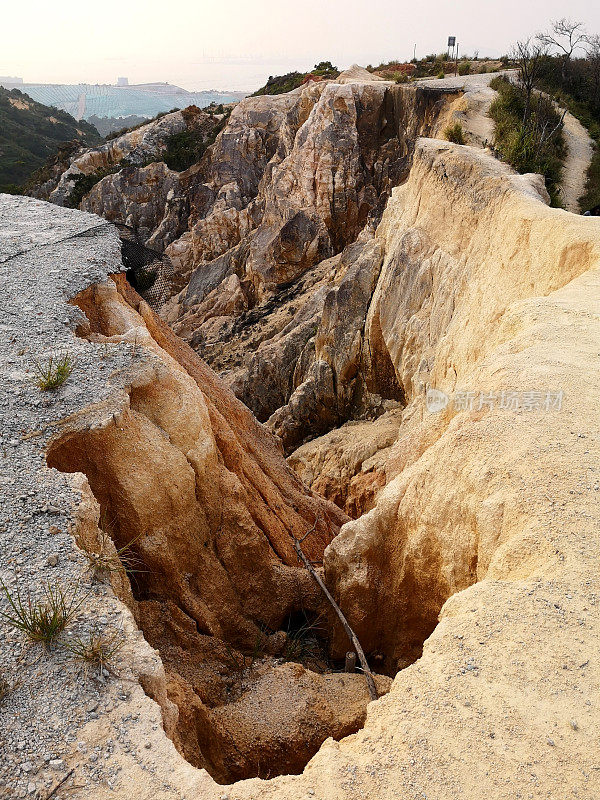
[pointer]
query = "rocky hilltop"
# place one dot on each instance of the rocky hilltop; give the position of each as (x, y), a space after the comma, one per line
(271, 232)
(442, 343)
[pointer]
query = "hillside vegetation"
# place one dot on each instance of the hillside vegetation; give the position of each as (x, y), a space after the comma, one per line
(30, 133)
(575, 84)
(530, 139)
(435, 66)
(279, 84)
(558, 69)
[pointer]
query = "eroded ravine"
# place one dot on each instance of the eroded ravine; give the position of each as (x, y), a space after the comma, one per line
(205, 520)
(480, 534)
(219, 592)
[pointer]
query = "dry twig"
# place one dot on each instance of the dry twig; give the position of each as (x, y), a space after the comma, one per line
(351, 635)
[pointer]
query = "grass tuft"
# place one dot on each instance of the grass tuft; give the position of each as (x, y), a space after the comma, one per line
(454, 133)
(96, 648)
(303, 640)
(44, 619)
(105, 561)
(54, 372)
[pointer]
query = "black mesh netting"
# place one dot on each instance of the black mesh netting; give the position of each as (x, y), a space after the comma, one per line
(148, 271)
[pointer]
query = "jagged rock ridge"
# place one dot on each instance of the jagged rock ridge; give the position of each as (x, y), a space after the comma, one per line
(484, 540)
(478, 555)
(258, 231)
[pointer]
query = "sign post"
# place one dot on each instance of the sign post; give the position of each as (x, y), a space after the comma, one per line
(451, 45)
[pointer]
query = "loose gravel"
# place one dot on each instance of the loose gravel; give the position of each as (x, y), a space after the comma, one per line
(47, 255)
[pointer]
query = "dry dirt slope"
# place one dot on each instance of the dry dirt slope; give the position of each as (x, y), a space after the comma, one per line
(501, 294)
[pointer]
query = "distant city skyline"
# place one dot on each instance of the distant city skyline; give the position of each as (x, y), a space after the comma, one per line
(236, 45)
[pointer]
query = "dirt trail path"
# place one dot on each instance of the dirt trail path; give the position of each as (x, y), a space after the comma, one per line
(472, 109)
(579, 156)
(472, 112)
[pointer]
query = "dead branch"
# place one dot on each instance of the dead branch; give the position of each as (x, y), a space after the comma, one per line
(351, 635)
(60, 783)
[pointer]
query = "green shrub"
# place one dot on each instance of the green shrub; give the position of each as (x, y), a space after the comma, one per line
(591, 196)
(454, 133)
(325, 69)
(464, 68)
(441, 74)
(85, 183)
(536, 145)
(13, 188)
(280, 84)
(184, 149)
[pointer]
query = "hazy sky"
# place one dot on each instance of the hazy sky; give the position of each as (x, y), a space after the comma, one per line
(236, 44)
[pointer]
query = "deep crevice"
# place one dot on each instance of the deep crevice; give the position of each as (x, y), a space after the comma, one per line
(244, 637)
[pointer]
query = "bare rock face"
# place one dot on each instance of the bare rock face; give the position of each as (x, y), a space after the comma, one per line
(139, 197)
(357, 73)
(272, 225)
(246, 715)
(200, 497)
(199, 512)
(449, 313)
(331, 384)
(180, 503)
(347, 465)
(317, 167)
(285, 716)
(296, 178)
(324, 159)
(135, 148)
(474, 569)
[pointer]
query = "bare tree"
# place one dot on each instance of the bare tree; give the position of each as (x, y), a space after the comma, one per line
(566, 37)
(593, 59)
(528, 56)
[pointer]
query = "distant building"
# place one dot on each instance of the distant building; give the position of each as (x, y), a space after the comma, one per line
(8, 82)
(122, 81)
